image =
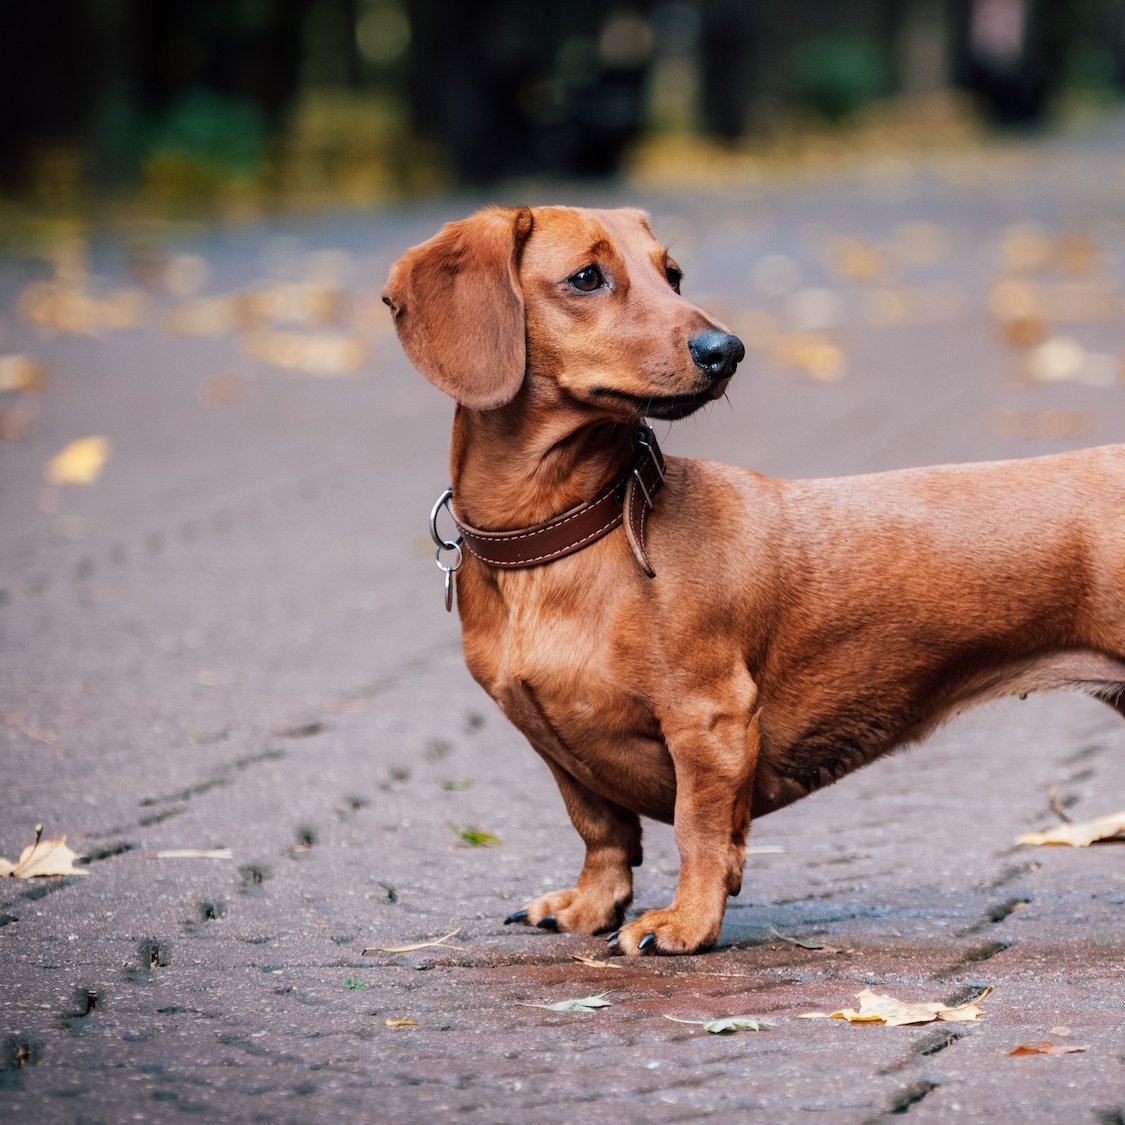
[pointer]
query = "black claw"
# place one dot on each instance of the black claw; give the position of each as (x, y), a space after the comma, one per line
(611, 939)
(516, 916)
(550, 922)
(647, 943)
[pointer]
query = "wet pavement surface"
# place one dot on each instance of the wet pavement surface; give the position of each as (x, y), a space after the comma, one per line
(230, 645)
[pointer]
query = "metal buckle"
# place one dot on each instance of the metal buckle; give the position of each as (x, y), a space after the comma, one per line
(644, 491)
(450, 569)
(647, 439)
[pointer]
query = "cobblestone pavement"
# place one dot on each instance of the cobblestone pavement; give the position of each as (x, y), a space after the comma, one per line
(232, 642)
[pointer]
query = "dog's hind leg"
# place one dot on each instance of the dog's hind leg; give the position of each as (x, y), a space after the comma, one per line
(597, 901)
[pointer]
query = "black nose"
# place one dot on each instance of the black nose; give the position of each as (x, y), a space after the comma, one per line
(716, 353)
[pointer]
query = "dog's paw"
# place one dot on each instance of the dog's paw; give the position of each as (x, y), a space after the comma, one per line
(572, 912)
(664, 931)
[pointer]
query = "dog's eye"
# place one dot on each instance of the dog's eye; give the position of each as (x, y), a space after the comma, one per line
(675, 275)
(587, 280)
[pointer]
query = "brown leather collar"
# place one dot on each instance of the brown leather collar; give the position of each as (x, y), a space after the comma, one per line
(627, 501)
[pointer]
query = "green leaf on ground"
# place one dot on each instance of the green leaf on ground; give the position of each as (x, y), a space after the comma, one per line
(586, 1004)
(727, 1025)
(475, 837)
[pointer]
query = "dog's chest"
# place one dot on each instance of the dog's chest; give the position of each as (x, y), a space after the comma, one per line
(559, 680)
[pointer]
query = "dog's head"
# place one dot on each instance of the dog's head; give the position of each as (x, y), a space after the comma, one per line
(588, 301)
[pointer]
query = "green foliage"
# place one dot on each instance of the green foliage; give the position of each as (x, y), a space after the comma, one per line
(835, 75)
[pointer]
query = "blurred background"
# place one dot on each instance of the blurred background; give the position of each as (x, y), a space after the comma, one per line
(248, 105)
(910, 210)
(216, 462)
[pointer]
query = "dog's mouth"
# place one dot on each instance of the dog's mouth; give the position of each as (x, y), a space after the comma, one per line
(665, 407)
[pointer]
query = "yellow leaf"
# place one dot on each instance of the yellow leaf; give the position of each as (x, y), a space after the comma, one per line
(401, 1023)
(80, 462)
(43, 858)
(1080, 835)
(877, 1008)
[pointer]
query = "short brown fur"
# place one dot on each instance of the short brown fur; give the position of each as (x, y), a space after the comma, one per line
(795, 631)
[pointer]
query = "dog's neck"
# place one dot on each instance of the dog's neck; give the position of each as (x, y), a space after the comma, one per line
(515, 468)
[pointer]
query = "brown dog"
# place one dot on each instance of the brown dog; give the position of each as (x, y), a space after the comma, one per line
(794, 630)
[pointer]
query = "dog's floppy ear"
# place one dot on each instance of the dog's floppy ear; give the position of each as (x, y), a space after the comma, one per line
(458, 308)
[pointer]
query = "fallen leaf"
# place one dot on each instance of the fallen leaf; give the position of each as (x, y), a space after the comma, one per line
(16, 723)
(16, 423)
(443, 940)
(208, 316)
(80, 462)
(801, 943)
(68, 308)
(806, 943)
(21, 373)
(476, 837)
(586, 1004)
(595, 964)
(42, 859)
(1046, 1048)
(877, 1008)
(322, 353)
(401, 1023)
(1079, 835)
(728, 1024)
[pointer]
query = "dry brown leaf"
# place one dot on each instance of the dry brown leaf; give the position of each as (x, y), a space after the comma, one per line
(443, 940)
(16, 723)
(877, 1008)
(808, 943)
(80, 462)
(42, 859)
(593, 963)
(1046, 1048)
(1079, 835)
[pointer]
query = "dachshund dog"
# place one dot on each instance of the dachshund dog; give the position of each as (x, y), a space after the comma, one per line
(697, 643)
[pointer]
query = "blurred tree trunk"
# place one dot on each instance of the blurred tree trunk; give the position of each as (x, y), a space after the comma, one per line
(1011, 54)
(45, 79)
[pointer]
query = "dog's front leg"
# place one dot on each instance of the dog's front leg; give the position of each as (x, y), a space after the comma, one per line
(714, 782)
(604, 889)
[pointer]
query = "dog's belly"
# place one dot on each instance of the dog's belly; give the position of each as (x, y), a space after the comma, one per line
(803, 752)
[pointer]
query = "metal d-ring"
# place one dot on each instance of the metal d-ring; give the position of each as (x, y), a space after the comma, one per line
(454, 545)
